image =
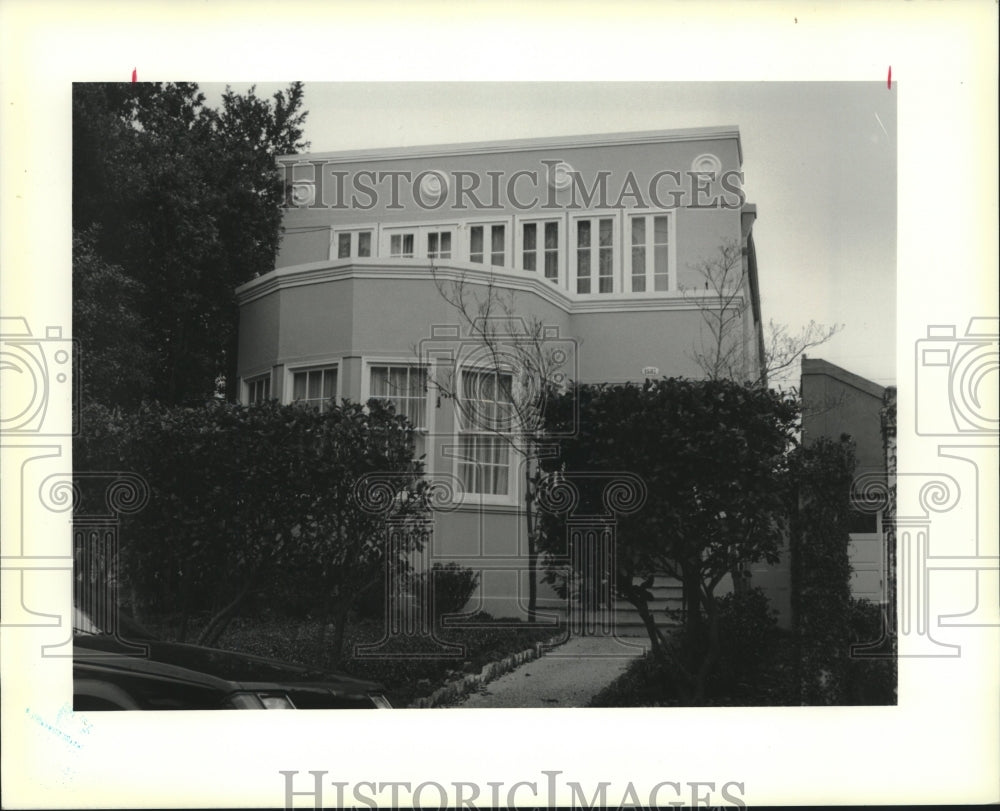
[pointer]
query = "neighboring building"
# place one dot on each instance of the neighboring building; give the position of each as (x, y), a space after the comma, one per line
(597, 237)
(836, 403)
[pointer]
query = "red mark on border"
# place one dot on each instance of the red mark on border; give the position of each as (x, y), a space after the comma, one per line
(888, 81)
(135, 76)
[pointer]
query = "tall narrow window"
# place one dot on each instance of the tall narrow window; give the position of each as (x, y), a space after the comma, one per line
(365, 243)
(552, 251)
(606, 258)
(595, 249)
(546, 254)
(529, 258)
(638, 254)
(583, 256)
(343, 246)
(485, 413)
(476, 243)
(497, 246)
(650, 253)
(406, 388)
(314, 387)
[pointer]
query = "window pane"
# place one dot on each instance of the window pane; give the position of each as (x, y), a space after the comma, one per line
(661, 270)
(551, 265)
(605, 233)
(530, 236)
(446, 245)
(638, 270)
(583, 234)
(329, 383)
(552, 235)
(365, 243)
(299, 385)
(497, 250)
(638, 230)
(315, 383)
(343, 246)
(661, 230)
(395, 245)
(476, 243)
(529, 257)
(432, 245)
(407, 244)
(380, 381)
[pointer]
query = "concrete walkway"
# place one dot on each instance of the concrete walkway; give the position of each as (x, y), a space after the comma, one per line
(566, 676)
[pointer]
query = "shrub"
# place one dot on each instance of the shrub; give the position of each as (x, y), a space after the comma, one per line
(870, 680)
(748, 637)
(454, 586)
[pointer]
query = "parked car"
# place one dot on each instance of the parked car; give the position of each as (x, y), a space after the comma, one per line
(133, 670)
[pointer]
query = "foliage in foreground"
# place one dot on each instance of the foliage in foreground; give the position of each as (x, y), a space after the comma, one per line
(267, 499)
(762, 665)
(713, 459)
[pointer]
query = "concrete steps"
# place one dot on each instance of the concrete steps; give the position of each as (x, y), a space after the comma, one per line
(667, 594)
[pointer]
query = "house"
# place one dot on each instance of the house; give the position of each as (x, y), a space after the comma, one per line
(596, 238)
(837, 404)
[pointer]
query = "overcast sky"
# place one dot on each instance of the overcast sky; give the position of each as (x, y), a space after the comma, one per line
(819, 163)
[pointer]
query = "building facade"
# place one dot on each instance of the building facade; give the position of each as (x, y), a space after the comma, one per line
(598, 244)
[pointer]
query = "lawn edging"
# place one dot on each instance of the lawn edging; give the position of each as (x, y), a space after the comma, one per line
(459, 687)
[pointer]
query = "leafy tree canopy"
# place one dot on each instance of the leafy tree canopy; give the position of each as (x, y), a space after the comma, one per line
(183, 201)
(712, 455)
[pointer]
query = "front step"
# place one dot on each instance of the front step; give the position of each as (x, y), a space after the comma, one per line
(624, 617)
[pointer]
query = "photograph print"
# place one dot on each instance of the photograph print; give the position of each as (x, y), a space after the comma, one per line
(416, 405)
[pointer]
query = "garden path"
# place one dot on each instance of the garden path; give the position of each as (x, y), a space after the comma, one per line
(566, 676)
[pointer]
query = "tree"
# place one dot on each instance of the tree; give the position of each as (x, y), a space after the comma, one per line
(727, 348)
(712, 455)
(244, 499)
(185, 201)
(820, 506)
(529, 363)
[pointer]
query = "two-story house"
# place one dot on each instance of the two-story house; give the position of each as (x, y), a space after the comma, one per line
(597, 238)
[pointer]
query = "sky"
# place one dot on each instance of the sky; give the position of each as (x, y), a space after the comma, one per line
(819, 163)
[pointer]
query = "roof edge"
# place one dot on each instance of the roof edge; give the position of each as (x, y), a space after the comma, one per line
(524, 145)
(818, 366)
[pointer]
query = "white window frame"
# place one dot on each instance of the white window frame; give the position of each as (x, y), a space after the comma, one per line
(539, 223)
(487, 225)
(511, 497)
(649, 214)
(430, 402)
(616, 251)
(420, 232)
(326, 365)
(354, 232)
(250, 381)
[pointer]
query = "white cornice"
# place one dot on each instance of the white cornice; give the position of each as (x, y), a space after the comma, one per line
(522, 145)
(520, 281)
